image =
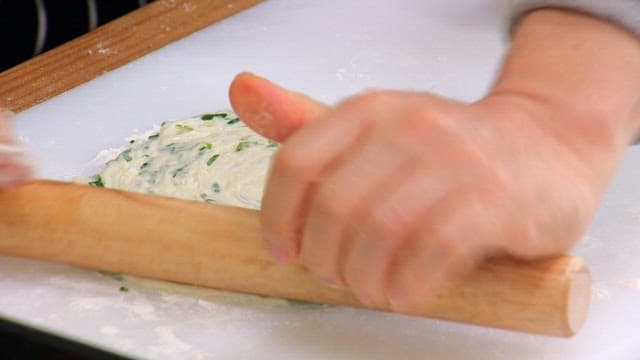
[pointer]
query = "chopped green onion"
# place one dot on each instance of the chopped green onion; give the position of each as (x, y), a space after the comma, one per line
(233, 121)
(303, 303)
(127, 156)
(184, 127)
(272, 144)
(124, 289)
(154, 136)
(211, 116)
(132, 141)
(144, 165)
(206, 146)
(113, 275)
(212, 159)
(96, 181)
(178, 171)
(244, 144)
(216, 187)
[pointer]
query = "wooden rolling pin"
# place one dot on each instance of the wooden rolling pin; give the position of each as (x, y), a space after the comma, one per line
(221, 247)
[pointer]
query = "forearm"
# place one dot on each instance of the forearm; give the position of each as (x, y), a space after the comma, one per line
(587, 68)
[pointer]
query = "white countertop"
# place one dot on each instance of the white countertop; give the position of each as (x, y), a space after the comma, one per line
(329, 49)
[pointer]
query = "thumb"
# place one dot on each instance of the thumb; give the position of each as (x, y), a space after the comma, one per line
(269, 109)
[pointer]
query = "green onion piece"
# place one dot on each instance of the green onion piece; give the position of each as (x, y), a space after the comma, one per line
(212, 116)
(178, 171)
(216, 187)
(206, 146)
(124, 289)
(154, 136)
(144, 165)
(184, 127)
(212, 159)
(272, 144)
(113, 275)
(127, 156)
(303, 303)
(132, 141)
(241, 145)
(245, 144)
(96, 181)
(233, 121)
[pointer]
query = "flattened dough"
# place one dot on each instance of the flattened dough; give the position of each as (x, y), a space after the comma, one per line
(213, 158)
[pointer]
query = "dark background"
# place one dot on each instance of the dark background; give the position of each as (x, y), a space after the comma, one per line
(21, 342)
(66, 19)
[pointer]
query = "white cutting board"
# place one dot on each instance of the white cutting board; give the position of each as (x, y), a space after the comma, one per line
(329, 49)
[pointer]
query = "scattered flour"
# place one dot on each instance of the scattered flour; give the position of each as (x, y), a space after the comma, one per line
(109, 330)
(189, 6)
(635, 213)
(169, 344)
(115, 337)
(135, 309)
(103, 50)
(600, 292)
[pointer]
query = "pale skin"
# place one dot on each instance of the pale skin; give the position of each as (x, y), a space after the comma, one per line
(391, 193)
(15, 164)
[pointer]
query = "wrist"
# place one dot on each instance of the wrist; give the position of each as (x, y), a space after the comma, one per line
(584, 70)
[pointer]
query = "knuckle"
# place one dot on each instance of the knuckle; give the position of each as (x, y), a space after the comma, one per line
(529, 238)
(377, 96)
(332, 205)
(273, 229)
(422, 118)
(388, 223)
(450, 245)
(366, 100)
(424, 126)
(291, 161)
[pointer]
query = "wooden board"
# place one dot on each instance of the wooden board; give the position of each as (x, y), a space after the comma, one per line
(109, 47)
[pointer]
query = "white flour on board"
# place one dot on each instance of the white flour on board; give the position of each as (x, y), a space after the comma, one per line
(587, 243)
(635, 213)
(600, 292)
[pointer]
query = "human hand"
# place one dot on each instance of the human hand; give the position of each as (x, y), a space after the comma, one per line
(15, 163)
(392, 193)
